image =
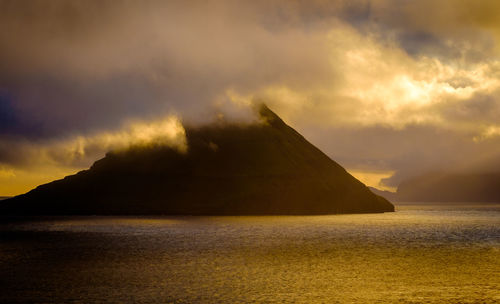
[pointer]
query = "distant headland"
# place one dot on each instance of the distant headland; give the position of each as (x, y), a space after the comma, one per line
(447, 187)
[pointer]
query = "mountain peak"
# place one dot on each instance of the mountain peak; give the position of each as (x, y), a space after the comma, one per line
(268, 116)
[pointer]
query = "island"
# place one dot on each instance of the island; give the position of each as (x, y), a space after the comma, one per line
(259, 168)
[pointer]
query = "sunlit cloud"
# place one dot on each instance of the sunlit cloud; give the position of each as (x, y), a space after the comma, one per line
(382, 85)
(373, 178)
(6, 173)
(488, 133)
(36, 163)
(16, 180)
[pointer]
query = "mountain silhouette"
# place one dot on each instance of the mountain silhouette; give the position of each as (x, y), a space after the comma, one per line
(391, 196)
(228, 169)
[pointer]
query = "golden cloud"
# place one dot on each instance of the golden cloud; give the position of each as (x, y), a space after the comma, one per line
(380, 85)
(46, 161)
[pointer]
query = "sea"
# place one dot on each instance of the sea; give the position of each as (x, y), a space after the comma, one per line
(418, 254)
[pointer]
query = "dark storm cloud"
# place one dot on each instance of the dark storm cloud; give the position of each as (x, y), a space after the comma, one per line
(424, 43)
(7, 112)
(61, 105)
(76, 65)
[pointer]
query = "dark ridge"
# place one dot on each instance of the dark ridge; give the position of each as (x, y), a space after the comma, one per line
(388, 195)
(229, 169)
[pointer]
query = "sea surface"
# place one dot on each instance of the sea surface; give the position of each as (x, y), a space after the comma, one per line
(419, 254)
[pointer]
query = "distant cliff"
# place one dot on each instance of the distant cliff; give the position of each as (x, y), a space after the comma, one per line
(229, 169)
(391, 196)
(440, 187)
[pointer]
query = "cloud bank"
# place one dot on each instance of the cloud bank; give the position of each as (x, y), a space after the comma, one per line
(381, 86)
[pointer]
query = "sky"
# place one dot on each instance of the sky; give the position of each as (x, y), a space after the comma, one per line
(389, 89)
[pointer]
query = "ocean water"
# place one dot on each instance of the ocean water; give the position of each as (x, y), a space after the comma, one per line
(419, 254)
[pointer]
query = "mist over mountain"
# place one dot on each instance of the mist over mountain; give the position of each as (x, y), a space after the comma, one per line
(259, 168)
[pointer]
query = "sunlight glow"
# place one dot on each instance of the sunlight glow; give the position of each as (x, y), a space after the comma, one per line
(373, 178)
(56, 159)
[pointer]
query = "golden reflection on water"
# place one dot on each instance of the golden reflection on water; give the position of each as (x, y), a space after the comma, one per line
(419, 254)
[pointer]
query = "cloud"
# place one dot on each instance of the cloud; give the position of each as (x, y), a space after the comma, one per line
(81, 150)
(381, 84)
(414, 81)
(106, 62)
(411, 151)
(28, 164)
